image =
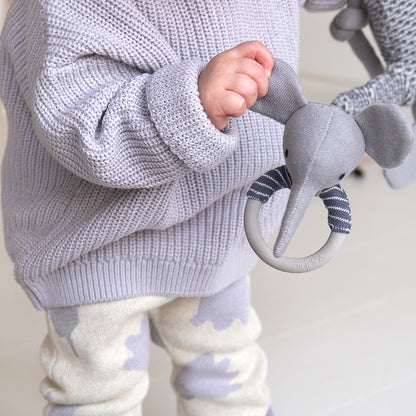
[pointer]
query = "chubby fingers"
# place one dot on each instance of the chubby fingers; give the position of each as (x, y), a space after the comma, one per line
(251, 64)
(233, 105)
(255, 51)
(233, 80)
(256, 72)
(246, 88)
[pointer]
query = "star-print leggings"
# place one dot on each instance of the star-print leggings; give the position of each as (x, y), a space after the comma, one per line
(96, 356)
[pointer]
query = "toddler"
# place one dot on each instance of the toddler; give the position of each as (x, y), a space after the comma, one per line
(130, 152)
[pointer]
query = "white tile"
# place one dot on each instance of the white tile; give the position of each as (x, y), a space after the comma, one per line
(332, 362)
(397, 398)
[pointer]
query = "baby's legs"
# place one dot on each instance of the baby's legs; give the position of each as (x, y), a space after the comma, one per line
(97, 355)
(218, 369)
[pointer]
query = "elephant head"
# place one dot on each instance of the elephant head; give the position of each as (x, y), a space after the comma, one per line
(322, 144)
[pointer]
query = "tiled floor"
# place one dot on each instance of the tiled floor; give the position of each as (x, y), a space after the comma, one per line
(341, 341)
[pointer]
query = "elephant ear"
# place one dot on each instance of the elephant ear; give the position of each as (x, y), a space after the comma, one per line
(285, 94)
(387, 132)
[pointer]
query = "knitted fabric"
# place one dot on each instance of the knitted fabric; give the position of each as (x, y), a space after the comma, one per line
(393, 23)
(115, 182)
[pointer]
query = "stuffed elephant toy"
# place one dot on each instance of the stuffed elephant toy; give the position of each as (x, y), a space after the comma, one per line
(393, 23)
(322, 144)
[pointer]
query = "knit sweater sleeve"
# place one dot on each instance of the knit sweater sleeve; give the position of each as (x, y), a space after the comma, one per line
(112, 102)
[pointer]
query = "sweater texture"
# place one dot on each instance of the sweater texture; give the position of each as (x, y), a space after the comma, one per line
(114, 182)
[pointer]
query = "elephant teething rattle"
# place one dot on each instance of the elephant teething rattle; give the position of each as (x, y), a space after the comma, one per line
(322, 144)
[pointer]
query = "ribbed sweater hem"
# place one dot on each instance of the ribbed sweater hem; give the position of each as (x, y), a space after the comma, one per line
(83, 283)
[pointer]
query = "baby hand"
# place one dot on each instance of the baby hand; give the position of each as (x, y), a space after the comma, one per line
(233, 80)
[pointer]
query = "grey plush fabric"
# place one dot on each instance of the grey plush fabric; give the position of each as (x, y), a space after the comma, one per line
(114, 182)
(365, 53)
(283, 88)
(324, 5)
(405, 174)
(346, 26)
(387, 133)
(348, 21)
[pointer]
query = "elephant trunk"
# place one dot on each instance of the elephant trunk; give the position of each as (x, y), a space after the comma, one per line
(336, 202)
(297, 205)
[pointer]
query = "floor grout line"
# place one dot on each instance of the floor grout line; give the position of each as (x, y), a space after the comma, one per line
(367, 395)
(370, 305)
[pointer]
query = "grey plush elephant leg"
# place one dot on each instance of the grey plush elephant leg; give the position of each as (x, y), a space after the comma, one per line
(324, 5)
(365, 53)
(347, 26)
(405, 174)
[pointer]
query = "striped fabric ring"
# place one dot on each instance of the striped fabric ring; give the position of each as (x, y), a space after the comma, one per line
(334, 198)
(338, 206)
(269, 183)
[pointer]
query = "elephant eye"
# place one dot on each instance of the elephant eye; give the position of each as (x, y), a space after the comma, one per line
(342, 176)
(286, 153)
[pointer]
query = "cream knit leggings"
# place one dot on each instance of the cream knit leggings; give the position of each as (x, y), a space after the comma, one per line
(96, 356)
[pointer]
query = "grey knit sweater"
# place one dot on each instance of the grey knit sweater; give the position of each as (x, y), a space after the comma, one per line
(114, 182)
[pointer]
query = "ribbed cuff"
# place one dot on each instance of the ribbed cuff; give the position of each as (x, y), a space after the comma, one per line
(86, 283)
(177, 112)
(83, 283)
